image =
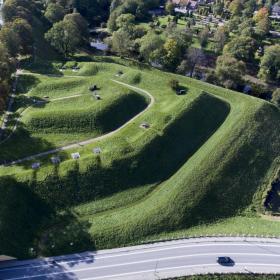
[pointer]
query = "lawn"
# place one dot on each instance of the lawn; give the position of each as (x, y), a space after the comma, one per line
(58, 111)
(203, 166)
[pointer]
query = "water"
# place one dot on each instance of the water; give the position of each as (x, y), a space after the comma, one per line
(98, 45)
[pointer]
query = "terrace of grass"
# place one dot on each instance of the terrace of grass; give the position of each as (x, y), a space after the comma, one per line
(68, 112)
(207, 157)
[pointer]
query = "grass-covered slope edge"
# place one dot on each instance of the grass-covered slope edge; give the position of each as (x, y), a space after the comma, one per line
(218, 181)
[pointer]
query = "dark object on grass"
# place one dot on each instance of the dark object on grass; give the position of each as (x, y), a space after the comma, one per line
(93, 88)
(119, 73)
(97, 97)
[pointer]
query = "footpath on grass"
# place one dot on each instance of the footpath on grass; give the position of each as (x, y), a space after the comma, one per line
(92, 140)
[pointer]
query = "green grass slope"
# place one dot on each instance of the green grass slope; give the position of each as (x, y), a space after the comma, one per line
(204, 188)
(67, 112)
(207, 157)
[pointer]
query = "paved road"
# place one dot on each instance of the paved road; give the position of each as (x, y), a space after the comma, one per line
(92, 140)
(155, 261)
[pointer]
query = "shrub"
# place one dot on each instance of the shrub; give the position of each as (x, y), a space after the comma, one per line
(276, 97)
(174, 84)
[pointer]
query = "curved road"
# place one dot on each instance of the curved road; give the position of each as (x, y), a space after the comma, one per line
(89, 141)
(154, 261)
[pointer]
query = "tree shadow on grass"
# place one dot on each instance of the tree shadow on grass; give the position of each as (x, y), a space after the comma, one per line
(63, 232)
(23, 101)
(43, 67)
(22, 144)
(26, 83)
(21, 215)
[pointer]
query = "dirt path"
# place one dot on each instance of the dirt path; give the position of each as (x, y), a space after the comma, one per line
(92, 140)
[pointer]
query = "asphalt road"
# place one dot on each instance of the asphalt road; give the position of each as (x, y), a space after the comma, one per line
(154, 261)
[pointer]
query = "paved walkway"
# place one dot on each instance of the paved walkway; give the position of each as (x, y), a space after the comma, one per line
(155, 261)
(92, 140)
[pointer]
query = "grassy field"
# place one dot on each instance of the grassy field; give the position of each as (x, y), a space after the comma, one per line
(56, 111)
(203, 166)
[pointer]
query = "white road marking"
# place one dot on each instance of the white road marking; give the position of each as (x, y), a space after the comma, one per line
(145, 261)
(171, 268)
(96, 257)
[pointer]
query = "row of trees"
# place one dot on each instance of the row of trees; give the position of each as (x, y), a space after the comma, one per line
(239, 44)
(16, 38)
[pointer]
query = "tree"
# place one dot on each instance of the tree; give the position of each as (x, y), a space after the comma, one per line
(218, 8)
(229, 71)
(263, 27)
(149, 44)
(182, 37)
(54, 12)
(169, 8)
(172, 53)
(261, 14)
(10, 40)
(220, 39)
(249, 8)
(65, 37)
(125, 21)
(242, 48)
(122, 42)
(203, 36)
(276, 97)
(270, 64)
(233, 23)
(246, 28)
(24, 9)
(24, 34)
(7, 67)
(236, 7)
(79, 22)
(194, 57)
